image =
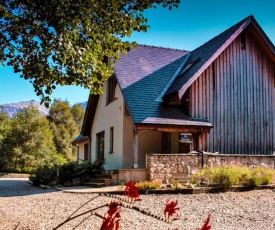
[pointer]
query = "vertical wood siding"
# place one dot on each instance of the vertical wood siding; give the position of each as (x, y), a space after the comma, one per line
(237, 94)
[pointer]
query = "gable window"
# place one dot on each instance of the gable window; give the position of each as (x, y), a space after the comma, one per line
(86, 152)
(100, 144)
(111, 86)
(112, 140)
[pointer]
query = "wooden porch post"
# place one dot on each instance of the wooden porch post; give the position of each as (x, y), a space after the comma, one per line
(135, 157)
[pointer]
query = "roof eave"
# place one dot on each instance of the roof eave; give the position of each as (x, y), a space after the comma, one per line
(89, 115)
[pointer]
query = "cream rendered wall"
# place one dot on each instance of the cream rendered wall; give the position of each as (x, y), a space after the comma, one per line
(148, 142)
(108, 116)
(128, 142)
(81, 151)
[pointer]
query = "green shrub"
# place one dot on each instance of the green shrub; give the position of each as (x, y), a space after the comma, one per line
(143, 185)
(44, 175)
(228, 176)
(261, 176)
(47, 175)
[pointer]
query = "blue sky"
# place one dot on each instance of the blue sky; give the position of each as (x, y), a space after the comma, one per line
(187, 27)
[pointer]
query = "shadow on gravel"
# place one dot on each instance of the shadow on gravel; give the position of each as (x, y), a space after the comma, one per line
(11, 187)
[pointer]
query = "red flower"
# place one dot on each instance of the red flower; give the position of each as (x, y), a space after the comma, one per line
(131, 191)
(114, 209)
(206, 225)
(112, 217)
(170, 209)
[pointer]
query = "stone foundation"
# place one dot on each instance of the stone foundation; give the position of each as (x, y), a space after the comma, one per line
(165, 167)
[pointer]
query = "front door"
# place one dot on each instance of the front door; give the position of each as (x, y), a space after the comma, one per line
(184, 147)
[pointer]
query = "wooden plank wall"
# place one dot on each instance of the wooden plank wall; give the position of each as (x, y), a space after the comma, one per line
(237, 94)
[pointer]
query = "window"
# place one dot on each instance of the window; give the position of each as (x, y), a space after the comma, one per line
(111, 86)
(185, 143)
(100, 144)
(86, 152)
(112, 140)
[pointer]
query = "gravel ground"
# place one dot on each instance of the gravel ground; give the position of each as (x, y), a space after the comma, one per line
(23, 206)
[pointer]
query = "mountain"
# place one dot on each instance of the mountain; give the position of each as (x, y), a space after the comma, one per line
(13, 108)
(84, 104)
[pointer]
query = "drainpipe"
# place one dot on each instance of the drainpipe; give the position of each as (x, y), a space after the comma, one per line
(202, 158)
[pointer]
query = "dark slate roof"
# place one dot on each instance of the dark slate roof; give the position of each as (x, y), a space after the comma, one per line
(142, 76)
(142, 61)
(79, 138)
(201, 55)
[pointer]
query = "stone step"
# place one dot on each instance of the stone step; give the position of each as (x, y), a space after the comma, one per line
(116, 171)
(101, 180)
(104, 176)
(94, 184)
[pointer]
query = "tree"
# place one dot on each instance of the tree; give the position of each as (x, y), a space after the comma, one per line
(66, 42)
(78, 113)
(29, 144)
(4, 130)
(64, 128)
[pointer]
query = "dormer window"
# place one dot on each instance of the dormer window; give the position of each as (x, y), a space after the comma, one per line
(111, 86)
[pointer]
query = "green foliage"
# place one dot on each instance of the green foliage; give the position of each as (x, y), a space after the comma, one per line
(46, 175)
(228, 176)
(78, 113)
(29, 142)
(90, 169)
(64, 127)
(261, 176)
(5, 126)
(68, 42)
(143, 185)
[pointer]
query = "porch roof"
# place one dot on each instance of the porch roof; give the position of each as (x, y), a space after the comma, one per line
(179, 122)
(80, 138)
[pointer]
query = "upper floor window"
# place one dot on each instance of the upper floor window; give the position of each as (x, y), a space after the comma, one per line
(111, 86)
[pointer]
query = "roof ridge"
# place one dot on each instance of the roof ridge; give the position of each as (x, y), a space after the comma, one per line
(240, 22)
(161, 47)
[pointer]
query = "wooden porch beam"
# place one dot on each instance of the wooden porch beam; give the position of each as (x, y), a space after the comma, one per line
(172, 129)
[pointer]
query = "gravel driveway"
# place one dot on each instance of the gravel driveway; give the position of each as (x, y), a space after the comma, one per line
(25, 207)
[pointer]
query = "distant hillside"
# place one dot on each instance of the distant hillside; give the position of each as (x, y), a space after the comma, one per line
(13, 108)
(84, 104)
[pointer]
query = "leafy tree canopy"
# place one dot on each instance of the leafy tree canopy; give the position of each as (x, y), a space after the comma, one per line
(29, 142)
(64, 127)
(67, 42)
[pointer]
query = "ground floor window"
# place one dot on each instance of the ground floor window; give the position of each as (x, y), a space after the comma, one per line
(100, 144)
(86, 152)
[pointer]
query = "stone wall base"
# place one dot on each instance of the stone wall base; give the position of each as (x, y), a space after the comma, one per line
(165, 167)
